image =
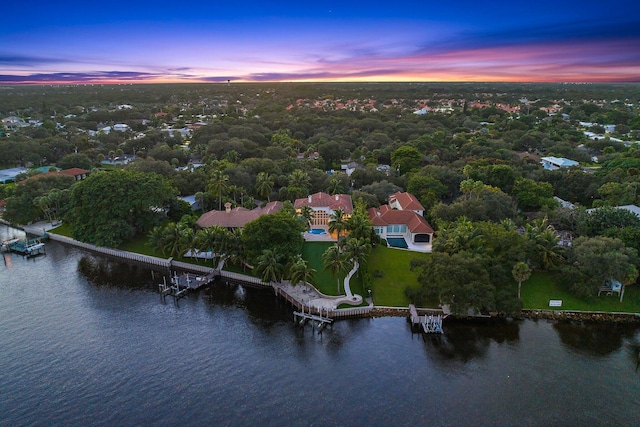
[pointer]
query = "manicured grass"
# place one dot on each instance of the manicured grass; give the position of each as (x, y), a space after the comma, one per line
(542, 287)
(63, 230)
(394, 264)
(323, 280)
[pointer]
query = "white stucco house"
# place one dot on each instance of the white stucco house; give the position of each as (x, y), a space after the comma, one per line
(324, 205)
(401, 223)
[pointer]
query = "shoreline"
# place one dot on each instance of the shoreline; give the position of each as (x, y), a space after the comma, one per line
(374, 311)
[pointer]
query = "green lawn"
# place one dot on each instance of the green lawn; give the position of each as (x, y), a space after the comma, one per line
(542, 287)
(396, 275)
(323, 280)
(390, 274)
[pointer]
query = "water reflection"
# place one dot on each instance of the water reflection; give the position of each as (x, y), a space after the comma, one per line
(105, 272)
(464, 341)
(594, 339)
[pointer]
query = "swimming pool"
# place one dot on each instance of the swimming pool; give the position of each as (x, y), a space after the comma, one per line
(317, 231)
(397, 242)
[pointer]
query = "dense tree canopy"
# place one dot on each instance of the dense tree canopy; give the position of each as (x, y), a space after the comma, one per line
(108, 208)
(281, 233)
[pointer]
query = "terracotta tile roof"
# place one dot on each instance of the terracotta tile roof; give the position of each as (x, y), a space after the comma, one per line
(237, 217)
(386, 216)
(324, 200)
(269, 208)
(407, 201)
(74, 171)
(70, 172)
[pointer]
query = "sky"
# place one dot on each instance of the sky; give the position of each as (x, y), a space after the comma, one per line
(140, 41)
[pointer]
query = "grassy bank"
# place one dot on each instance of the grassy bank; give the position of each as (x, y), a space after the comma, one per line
(390, 273)
(542, 287)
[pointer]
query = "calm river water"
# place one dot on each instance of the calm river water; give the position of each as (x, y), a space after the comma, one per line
(88, 341)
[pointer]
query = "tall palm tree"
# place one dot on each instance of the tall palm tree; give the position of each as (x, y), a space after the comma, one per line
(306, 214)
(269, 267)
(359, 225)
(214, 239)
(218, 184)
(521, 273)
(156, 238)
(334, 260)
(299, 183)
(335, 186)
(264, 185)
(357, 250)
(337, 221)
(300, 271)
(174, 239)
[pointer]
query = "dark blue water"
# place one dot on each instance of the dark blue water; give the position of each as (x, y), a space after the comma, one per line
(88, 341)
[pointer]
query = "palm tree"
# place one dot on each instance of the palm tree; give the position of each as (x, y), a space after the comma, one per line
(335, 186)
(336, 261)
(218, 184)
(174, 238)
(156, 238)
(337, 222)
(214, 239)
(269, 267)
(306, 213)
(521, 273)
(299, 183)
(359, 225)
(264, 185)
(300, 271)
(357, 250)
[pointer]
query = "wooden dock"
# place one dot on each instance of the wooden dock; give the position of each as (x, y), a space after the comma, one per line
(429, 323)
(181, 284)
(27, 247)
(317, 321)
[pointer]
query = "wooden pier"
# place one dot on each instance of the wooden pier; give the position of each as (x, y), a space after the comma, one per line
(181, 284)
(429, 323)
(317, 321)
(27, 247)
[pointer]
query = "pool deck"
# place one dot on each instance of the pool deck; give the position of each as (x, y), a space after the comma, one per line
(311, 237)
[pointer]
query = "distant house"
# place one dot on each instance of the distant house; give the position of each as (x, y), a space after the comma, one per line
(77, 173)
(236, 217)
(13, 122)
(386, 169)
(121, 127)
(9, 175)
(564, 203)
(631, 208)
(351, 167)
(525, 155)
(324, 205)
(555, 163)
(195, 205)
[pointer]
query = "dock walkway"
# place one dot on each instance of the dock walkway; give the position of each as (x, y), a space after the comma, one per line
(429, 323)
(304, 298)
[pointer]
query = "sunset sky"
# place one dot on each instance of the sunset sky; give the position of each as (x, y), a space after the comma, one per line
(160, 41)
